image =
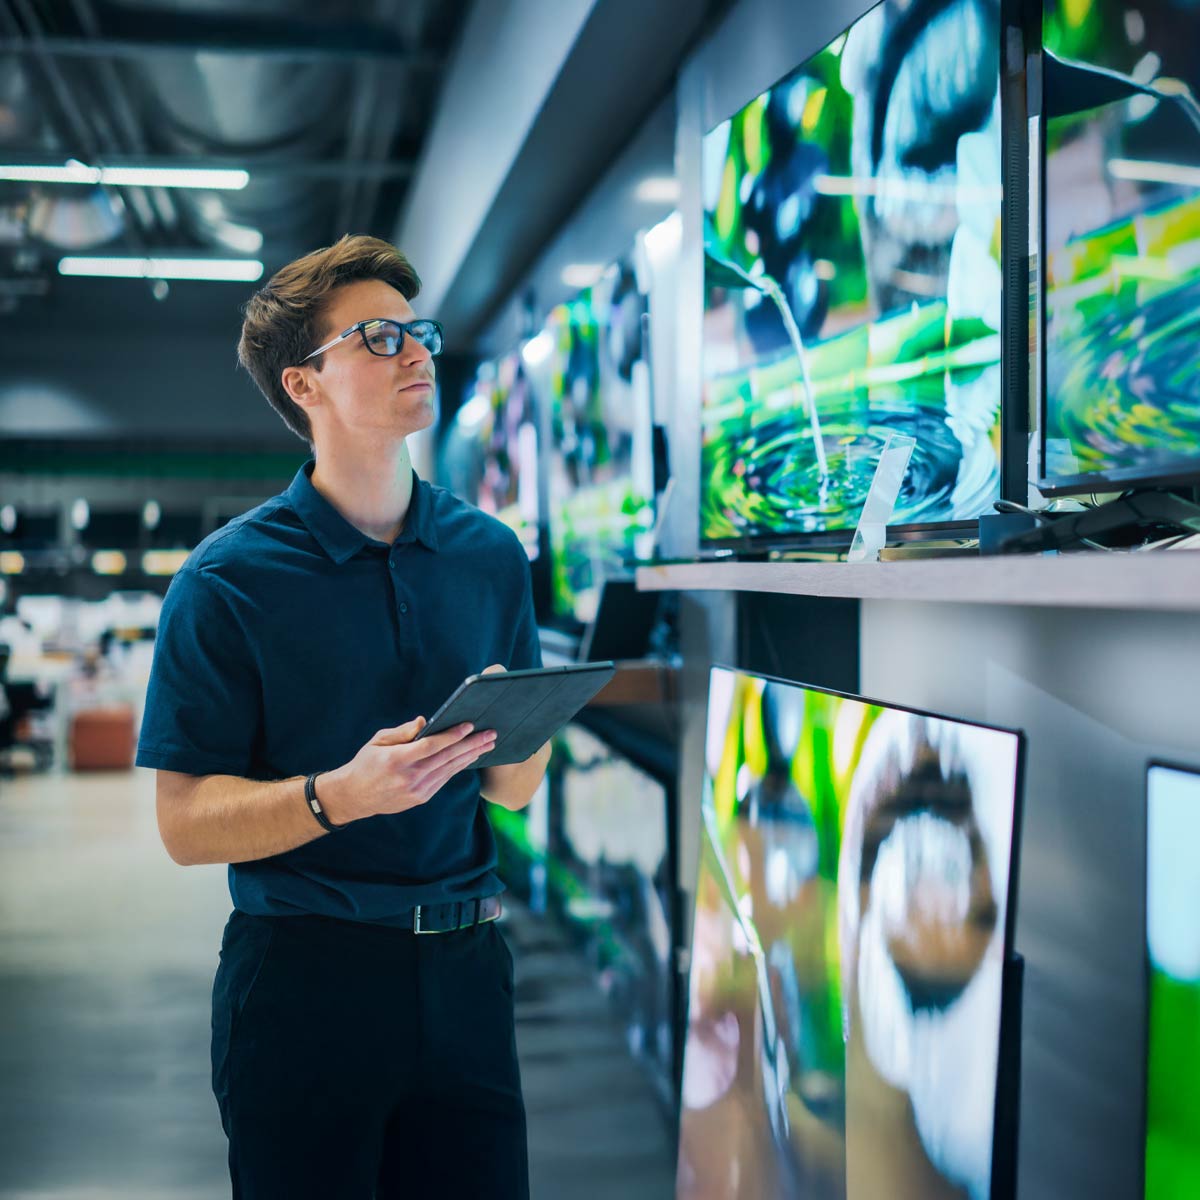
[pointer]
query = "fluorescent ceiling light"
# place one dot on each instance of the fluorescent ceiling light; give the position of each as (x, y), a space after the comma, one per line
(210, 179)
(243, 239)
(1154, 172)
(239, 269)
(658, 189)
(582, 275)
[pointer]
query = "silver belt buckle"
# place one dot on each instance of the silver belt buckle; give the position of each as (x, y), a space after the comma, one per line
(417, 921)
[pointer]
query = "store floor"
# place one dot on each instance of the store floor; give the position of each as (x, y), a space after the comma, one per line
(107, 952)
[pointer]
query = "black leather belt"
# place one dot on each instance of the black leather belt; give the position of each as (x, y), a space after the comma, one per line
(457, 914)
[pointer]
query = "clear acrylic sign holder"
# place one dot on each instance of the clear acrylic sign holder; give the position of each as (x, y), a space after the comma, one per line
(871, 534)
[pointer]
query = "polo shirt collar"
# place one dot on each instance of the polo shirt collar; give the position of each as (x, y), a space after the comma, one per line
(338, 537)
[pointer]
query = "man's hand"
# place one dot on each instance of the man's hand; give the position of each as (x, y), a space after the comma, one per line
(393, 772)
(513, 786)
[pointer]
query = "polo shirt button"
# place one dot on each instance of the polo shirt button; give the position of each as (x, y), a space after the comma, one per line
(391, 562)
(403, 607)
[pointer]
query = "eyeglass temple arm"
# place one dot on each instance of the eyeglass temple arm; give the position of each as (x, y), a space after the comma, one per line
(332, 342)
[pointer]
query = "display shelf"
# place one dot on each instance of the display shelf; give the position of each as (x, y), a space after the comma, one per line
(638, 681)
(1161, 580)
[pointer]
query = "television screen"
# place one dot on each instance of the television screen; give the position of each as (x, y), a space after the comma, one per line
(853, 280)
(1122, 243)
(601, 485)
(490, 456)
(611, 877)
(30, 531)
(850, 936)
(1173, 943)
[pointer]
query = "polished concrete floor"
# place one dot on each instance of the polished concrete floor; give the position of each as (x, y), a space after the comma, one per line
(107, 953)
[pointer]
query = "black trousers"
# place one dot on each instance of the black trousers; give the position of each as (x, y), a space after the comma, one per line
(352, 1062)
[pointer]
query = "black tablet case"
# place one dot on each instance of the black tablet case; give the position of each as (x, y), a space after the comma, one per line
(526, 708)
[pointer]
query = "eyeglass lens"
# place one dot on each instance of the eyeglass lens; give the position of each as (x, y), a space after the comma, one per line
(386, 337)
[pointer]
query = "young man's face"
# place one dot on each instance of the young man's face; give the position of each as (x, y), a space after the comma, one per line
(361, 393)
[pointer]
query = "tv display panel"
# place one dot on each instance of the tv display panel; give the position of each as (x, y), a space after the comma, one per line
(32, 531)
(850, 937)
(491, 454)
(601, 485)
(1173, 944)
(611, 874)
(852, 237)
(1122, 242)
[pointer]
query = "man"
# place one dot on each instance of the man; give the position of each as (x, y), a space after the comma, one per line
(300, 651)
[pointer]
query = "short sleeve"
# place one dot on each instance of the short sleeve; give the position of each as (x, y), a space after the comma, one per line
(203, 712)
(527, 646)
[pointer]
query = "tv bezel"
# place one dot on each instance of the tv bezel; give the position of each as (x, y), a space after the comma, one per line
(1187, 471)
(1014, 867)
(1147, 965)
(1014, 331)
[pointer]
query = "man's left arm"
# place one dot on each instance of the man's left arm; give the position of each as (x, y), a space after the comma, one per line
(513, 786)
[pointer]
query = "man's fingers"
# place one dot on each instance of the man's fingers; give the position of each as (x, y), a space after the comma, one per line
(471, 745)
(493, 669)
(400, 735)
(457, 760)
(427, 747)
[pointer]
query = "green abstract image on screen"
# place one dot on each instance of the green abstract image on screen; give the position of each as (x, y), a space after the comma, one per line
(1122, 216)
(847, 950)
(1173, 936)
(853, 281)
(601, 490)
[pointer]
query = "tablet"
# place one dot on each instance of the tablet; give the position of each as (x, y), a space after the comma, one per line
(525, 708)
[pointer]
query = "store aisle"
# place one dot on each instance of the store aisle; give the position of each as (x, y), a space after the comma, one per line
(107, 953)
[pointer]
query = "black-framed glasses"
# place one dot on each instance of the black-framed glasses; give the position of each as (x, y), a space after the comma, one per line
(384, 337)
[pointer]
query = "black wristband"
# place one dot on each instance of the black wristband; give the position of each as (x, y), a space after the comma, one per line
(314, 805)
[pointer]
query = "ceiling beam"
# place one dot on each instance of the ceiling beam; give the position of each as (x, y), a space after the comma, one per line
(373, 47)
(533, 163)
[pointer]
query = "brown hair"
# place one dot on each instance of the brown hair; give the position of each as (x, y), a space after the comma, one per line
(282, 321)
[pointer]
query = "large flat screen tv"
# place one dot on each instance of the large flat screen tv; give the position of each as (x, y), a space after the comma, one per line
(853, 918)
(1121, 223)
(490, 454)
(611, 878)
(1173, 953)
(853, 281)
(601, 476)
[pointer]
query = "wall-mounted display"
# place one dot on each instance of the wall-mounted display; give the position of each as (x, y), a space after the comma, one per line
(490, 456)
(601, 476)
(1173, 952)
(1121, 213)
(853, 918)
(853, 281)
(611, 876)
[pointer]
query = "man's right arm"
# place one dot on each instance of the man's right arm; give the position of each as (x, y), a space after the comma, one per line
(228, 819)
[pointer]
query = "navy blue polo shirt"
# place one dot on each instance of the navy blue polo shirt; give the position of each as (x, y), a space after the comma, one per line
(290, 638)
